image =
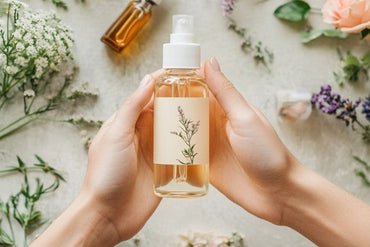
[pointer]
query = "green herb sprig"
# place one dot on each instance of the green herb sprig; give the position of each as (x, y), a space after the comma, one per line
(21, 206)
(261, 54)
(364, 173)
(353, 69)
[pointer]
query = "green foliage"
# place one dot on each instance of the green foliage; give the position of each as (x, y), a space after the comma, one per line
(295, 11)
(21, 206)
(365, 32)
(308, 36)
(352, 67)
(261, 54)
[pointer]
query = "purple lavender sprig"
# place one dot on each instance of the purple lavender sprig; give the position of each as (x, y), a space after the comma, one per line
(344, 109)
(228, 7)
(366, 108)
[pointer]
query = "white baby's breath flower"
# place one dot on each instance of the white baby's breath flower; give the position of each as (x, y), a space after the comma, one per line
(19, 47)
(21, 61)
(11, 70)
(41, 62)
(29, 93)
(31, 51)
(17, 34)
(2, 59)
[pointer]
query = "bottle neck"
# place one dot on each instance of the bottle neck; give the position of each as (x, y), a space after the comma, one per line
(144, 5)
(182, 72)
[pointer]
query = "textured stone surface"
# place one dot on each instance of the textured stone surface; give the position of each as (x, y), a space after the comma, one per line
(321, 143)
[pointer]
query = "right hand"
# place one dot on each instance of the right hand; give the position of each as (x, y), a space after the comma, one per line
(248, 161)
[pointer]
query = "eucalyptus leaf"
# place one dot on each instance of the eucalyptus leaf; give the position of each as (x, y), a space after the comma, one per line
(335, 33)
(306, 37)
(295, 11)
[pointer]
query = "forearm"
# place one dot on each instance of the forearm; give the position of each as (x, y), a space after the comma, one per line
(79, 225)
(323, 212)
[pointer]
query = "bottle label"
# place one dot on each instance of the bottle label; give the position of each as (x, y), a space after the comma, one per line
(181, 130)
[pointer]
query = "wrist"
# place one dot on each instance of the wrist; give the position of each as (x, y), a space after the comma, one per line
(82, 224)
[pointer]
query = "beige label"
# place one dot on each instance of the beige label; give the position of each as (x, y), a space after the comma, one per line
(181, 131)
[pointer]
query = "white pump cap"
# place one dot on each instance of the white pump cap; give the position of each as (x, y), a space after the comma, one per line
(181, 52)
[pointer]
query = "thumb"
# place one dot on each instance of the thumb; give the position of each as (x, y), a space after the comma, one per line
(128, 113)
(226, 94)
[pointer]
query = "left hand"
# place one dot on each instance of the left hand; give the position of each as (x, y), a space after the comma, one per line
(119, 177)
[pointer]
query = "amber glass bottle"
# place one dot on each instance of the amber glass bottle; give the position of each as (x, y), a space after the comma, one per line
(124, 29)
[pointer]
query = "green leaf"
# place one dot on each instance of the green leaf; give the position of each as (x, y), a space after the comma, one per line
(295, 10)
(362, 162)
(366, 60)
(335, 33)
(365, 32)
(363, 177)
(306, 37)
(338, 79)
(5, 239)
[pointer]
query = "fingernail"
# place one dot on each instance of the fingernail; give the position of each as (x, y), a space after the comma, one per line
(145, 80)
(214, 64)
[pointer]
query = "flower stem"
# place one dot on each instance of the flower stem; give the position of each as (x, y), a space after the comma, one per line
(33, 118)
(11, 227)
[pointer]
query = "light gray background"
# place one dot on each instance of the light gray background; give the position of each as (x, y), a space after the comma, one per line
(322, 143)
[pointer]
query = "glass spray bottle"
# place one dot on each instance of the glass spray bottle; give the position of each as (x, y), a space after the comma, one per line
(124, 29)
(181, 118)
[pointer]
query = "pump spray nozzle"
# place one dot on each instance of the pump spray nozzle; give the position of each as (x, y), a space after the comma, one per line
(181, 52)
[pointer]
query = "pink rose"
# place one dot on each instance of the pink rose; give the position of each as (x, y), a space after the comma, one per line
(351, 16)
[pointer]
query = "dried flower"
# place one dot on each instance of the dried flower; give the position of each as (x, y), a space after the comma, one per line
(188, 130)
(228, 6)
(349, 113)
(366, 108)
(332, 103)
(211, 239)
(29, 93)
(328, 102)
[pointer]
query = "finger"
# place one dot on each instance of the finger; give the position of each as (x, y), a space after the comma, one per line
(226, 94)
(130, 109)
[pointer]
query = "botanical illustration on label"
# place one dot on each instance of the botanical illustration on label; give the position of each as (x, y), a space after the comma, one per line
(181, 130)
(187, 130)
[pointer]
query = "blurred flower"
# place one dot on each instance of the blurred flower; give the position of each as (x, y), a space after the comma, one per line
(29, 93)
(351, 16)
(331, 103)
(228, 6)
(349, 112)
(366, 108)
(328, 102)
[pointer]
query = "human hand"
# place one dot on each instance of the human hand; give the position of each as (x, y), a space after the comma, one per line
(248, 162)
(119, 177)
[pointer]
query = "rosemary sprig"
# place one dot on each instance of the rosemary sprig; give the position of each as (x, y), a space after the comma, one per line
(261, 54)
(363, 173)
(21, 206)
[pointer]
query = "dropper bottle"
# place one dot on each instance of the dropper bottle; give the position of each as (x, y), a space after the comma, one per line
(130, 22)
(181, 118)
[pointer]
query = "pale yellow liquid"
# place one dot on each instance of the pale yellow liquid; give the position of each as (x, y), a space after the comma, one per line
(181, 180)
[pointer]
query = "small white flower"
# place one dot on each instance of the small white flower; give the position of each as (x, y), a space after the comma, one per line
(41, 62)
(19, 47)
(29, 93)
(11, 70)
(39, 72)
(2, 59)
(21, 61)
(31, 51)
(17, 34)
